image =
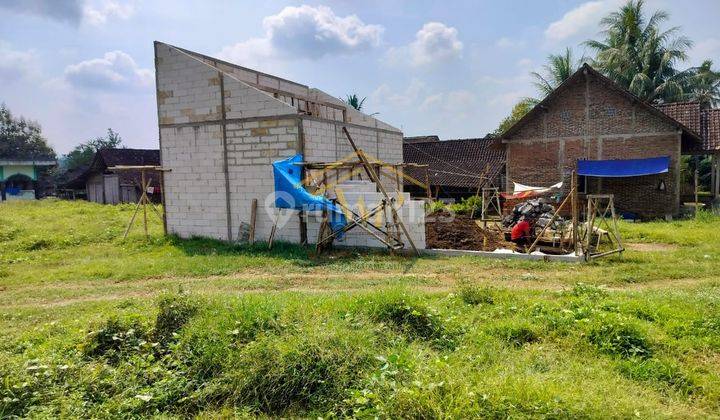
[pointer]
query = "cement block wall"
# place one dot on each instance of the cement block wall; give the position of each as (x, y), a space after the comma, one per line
(215, 115)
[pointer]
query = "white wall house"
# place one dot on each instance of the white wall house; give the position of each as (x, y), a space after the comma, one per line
(221, 127)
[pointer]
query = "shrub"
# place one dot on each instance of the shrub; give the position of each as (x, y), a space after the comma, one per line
(175, 310)
(620, 339)
(435, 206)
(466, 205)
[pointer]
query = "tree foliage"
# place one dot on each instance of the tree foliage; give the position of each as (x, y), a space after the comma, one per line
(558, 69)
(639, 55)
(354, 101)
(22, 139)
(518, 111)
(83, 153)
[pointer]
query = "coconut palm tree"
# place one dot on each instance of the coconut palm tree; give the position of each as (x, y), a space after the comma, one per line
(639, 55)
(558, 69)
(354, 101)
(701, 84)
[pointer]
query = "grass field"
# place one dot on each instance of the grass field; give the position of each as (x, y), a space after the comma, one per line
(96, 326)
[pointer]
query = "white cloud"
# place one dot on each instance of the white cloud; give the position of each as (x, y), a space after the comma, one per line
(524, 63)
(459, 103)
(435, 42)
(115, 70)
(16, 65)
(94, 12)
(305, 31)
(506, 42)
(97, 12)
(582, 20)
(408, 97)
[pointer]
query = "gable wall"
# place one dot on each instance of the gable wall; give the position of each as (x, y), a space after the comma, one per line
(591, 121)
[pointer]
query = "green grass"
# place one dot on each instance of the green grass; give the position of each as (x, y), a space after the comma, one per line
(96, 326)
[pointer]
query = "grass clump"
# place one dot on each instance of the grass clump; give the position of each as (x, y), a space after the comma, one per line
(116, 339)
(516, 334)
(665, 374)
(174, 311)
(475, 295)
(416, 321)
(619, 338)
(277, 375)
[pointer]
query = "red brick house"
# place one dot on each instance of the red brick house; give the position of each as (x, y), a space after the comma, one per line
(589, 117)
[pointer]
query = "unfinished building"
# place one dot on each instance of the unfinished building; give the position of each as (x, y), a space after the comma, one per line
(221, 126)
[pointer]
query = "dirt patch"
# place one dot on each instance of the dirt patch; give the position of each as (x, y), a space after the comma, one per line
(654, 247)
(444, 230)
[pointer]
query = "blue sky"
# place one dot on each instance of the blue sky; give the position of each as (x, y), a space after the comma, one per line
(449, 68)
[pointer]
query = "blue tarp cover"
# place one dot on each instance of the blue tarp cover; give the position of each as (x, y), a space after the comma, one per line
(623, 167)
(290, 194)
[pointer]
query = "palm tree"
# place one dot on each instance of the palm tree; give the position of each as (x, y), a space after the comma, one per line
(354, 101)
(701, 84)
(558, 69)
(640, 56)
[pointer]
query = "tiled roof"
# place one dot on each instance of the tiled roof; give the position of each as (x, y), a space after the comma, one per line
(705, 122)
(454, 163)
(130, 157)
(420, 139)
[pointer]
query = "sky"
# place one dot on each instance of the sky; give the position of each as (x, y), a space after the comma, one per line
(453, 68)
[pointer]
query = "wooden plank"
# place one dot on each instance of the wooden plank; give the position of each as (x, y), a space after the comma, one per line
(253, 217)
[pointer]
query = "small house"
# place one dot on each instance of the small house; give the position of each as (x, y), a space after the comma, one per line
(103, 185)
(19, 178)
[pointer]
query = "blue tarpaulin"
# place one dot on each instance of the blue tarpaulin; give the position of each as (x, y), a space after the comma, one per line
(624, 167)
(290, 194)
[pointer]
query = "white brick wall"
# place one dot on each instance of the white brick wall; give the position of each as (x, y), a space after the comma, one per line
(195, 193)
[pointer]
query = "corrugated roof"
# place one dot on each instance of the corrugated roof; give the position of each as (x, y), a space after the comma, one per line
(454, 163)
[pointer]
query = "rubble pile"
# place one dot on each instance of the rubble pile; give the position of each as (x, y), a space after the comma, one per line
(538, 212)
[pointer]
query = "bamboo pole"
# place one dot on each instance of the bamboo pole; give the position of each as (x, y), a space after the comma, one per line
(144, 200)
(253, 218)
(552, 220)
(573, 188)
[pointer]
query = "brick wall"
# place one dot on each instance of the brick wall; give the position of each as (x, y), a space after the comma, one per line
(546, 148)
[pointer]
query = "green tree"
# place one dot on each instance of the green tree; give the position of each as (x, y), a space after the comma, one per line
(83, 153)
(354, 101)
(640, 56)
(22, 139)
(518, 111)
(558, 69)
(702, 84)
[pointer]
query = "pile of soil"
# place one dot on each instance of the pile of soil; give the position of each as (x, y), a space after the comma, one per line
(444, 230)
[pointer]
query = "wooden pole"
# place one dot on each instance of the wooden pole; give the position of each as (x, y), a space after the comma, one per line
(253, 217)
(697, 204)
(144, 200)
(573, 188)
(427, 184)
(274, 228)
(552, 220)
